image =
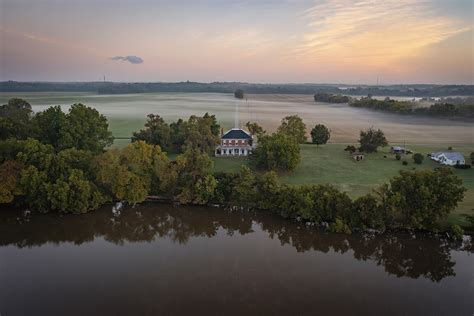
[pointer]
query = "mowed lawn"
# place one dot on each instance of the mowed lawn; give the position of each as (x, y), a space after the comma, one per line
(331, 164)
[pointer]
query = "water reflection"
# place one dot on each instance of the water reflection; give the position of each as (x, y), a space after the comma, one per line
(402, 255)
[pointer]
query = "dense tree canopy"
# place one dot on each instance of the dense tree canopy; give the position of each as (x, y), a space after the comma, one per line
(156, 132)
(443, 109)
(197, 132)
(45, 180)
(202, 133)
(420, 199)
(82, 128)
(15, 119)
(320, 134)
(51, 126)
(88, 128)
(330, 98)
(294, 127)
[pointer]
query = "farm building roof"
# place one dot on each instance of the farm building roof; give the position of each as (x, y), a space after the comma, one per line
(452, 155)
(236, 133)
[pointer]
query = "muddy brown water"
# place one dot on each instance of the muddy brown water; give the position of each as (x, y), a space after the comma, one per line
(157, 259)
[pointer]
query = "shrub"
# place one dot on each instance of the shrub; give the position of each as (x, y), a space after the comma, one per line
(472, 158)
(239, 94)
(398, 156)
(469, 218)
(457, 232)
(418, 158)
(405, 163)
(339, 226)
(450, 148)
(465, 166)
(350, 149)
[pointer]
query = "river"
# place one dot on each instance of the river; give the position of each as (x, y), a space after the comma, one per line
(166, 260)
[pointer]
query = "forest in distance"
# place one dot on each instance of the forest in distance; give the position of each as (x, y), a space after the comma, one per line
(107, 87)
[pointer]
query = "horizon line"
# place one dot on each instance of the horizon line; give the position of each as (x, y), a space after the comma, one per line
(248, 83)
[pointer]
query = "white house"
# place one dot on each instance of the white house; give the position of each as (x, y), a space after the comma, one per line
(449, 158)
(235, 142)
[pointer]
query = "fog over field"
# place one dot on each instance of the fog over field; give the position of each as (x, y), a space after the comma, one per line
(127, 113)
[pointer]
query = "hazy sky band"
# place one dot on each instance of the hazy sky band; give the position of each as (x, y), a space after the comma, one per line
(257, 41)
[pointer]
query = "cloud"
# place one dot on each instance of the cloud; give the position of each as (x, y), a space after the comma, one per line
(373, 32)
(130, 59)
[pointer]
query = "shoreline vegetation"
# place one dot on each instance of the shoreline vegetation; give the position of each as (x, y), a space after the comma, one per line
(56, 161)
(439, 109)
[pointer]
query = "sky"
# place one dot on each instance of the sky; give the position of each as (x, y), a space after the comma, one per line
(287, 41)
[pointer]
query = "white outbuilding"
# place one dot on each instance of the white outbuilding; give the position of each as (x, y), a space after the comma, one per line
(448, 158)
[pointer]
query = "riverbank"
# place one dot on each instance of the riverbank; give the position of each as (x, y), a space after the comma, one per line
(331, 164)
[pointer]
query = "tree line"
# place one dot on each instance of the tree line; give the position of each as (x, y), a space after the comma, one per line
(61, 164)
(405, 107)
(411, 90)
(331, 98)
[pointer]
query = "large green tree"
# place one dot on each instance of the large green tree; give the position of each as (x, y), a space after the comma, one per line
(201, 133)
(82, 128)
(278, 152)
(194, 180)
(371, 139)
(294, 127)
(320, 134)
(255, 129)
(131, 173)
(51, 127)
(156, 132)
(88, 128)
(15, 119)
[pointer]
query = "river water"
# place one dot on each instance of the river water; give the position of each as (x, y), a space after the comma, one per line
(164, 260)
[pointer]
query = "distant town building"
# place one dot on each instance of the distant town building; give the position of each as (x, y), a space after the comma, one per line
(449, 158)
(235, 142)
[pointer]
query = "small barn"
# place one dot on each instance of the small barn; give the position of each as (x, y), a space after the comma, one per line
(358, 156)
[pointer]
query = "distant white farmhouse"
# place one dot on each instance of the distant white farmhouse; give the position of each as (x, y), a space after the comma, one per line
(235, 142)
(449, 158)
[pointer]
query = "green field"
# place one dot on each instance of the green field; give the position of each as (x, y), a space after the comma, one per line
(331, 164)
